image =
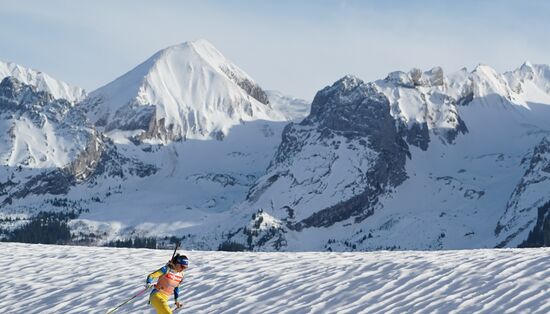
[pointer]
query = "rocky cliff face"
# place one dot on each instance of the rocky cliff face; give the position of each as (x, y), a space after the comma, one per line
(539, 236)
(45, 132)
(356, 111)
(529, 195)
(249, 86)
(349, 118)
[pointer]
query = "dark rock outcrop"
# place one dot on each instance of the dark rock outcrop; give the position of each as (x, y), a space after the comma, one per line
(248, 86)
(519, 215)
(354, 110)
(540, 235)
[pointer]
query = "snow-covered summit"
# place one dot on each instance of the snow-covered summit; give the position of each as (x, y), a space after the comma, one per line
(188, 90)
(42, 81)
(481, 82)
(486, 82)
(430, 99)
(422, 104)
(37, 130)
(531, 82)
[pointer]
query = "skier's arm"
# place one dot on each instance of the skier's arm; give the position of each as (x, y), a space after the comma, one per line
(177, 292)
(156, 274)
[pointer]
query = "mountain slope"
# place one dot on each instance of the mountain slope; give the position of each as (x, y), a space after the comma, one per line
(38, 131)
(291, 108)
(529, 194)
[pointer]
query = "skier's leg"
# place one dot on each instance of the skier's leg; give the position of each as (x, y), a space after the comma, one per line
(160, 303)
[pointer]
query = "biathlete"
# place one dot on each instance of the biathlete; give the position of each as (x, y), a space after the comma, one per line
(169, 277)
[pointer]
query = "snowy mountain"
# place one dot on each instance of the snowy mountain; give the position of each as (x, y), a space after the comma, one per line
(191, 180)
(504, 281)
(187, 146)
(530, 82)
(42, 82)
(418, 160)
(187, 91)
(349, 129)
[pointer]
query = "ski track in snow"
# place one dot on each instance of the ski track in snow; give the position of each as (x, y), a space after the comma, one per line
(68, 279)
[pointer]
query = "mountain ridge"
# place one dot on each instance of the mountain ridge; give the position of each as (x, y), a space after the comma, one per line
(42, 81)
(417, 160)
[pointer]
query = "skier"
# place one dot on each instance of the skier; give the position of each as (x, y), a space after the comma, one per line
(169, 278)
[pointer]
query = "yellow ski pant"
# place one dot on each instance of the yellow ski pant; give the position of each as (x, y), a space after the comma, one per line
(159, 302)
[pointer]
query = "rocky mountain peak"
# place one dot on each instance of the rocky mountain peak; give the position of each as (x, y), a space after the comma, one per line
(527, 66)
(342, 99)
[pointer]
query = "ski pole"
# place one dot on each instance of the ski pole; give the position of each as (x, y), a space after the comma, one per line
(175, 249)
(135, 296)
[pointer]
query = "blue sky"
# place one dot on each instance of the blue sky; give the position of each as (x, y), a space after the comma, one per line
(297, 47)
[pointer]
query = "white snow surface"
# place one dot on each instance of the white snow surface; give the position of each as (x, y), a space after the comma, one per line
(36, 147)
(42, 81)
(68, 279)
(291, 108)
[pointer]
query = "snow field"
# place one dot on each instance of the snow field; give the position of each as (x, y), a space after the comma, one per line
(67, 279)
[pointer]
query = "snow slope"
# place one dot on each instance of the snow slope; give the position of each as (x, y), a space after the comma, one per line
(196, 181)
(65, 279)
(37, 130)
(291, 108)
(42, 81)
